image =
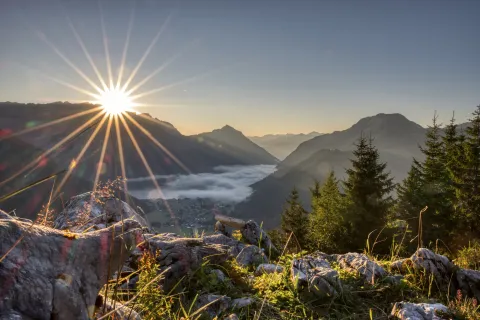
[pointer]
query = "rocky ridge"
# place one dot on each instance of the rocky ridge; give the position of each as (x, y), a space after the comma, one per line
(58, 273)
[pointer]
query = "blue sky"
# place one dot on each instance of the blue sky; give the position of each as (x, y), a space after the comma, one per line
(261, 66)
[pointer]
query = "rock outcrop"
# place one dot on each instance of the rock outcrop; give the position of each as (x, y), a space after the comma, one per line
(314, 274)
(418, 311)
(92, 212)
(447, 275)
(52, 274)
(358, 262)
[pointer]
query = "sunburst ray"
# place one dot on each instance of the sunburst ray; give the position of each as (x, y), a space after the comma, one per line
(147, 166)
(172, 85)
(125, 48)
(122, 159)
(105, 45)
(102, 154)
(51, 123)
(162, 67)
(79, 157)
(87, 54)
(52, 149)
(161, 146)
(43, 37)
(147, 52)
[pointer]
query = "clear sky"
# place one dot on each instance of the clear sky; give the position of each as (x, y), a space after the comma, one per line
(261, 66)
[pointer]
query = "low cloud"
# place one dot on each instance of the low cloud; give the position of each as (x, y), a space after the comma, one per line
(226, 183)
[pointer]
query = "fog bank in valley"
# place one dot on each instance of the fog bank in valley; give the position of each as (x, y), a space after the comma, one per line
(226, 183)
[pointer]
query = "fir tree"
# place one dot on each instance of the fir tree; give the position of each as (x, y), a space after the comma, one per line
(437, 192)
(410, 199)
(327, 229)
(315, 195)
(295, 220)
(368, 189)
(468, 178)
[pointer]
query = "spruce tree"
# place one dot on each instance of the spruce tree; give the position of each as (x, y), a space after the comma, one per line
(295, 220)
(437, 192)
(368, 188)
(327, 229)
(315, 195)
(468, 179)
(410, 199)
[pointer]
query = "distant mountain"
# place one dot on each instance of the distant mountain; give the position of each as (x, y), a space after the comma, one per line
(392, 132)
(234, 143)
(396, 137)
(281, 145)
(173, 154)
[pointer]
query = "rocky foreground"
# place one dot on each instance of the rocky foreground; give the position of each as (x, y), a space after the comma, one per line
(61, 271)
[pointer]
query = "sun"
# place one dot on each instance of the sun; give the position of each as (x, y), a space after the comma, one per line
(115, 101)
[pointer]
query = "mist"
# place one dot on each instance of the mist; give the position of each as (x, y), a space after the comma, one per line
(226, 184)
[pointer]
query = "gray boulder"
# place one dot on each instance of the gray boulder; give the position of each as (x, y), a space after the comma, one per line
(179, 257)
(448, 276)
(314, 274)
(242, 303)
(52, 274)
(116, 310)
(254, 235)
(213, 304)
(83, 212)
(358, 262)
(251, 256)
(418, 311)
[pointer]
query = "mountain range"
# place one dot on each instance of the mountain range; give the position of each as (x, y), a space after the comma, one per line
(396, 138)
(281, 145)
(171, 153)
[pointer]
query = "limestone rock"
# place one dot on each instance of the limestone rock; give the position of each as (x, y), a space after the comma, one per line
(267, 268)
(83, 212)
(213, 304)
(255, 235)
(313, 273)
(117, 311)
(241, 303)
(251, 256)
(468, 281)
(418, 311)
(232, 246)
(368, 269)
(56, 274)
(181, 256)
(221, 277)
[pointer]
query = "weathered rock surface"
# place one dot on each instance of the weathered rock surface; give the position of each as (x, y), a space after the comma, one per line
(241, 303)
(267, 268)
(468, 281)
(358, 262)
(83, 212)
(418, 311)
(213, 304)
(253, 234)
(448, 277)
(52, 274)
(313, 273)
(116, 310)
(251, 256)
(181, 256)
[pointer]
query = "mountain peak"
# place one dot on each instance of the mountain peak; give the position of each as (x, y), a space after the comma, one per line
(228, 128)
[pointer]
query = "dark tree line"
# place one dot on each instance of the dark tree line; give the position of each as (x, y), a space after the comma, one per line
(345, 214)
